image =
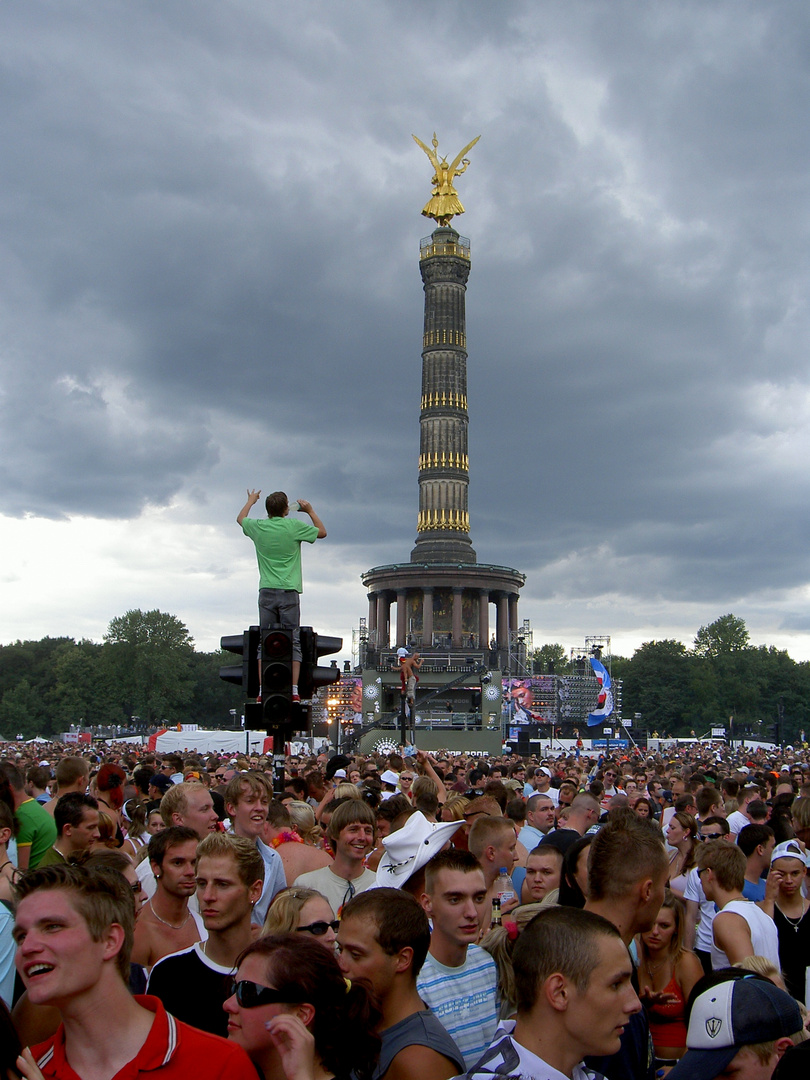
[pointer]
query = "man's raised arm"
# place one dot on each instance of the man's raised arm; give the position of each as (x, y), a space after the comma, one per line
(316, 521)
(252, 499)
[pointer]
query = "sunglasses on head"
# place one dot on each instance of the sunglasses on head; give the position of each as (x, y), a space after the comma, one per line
(319, 928)
(250, 994)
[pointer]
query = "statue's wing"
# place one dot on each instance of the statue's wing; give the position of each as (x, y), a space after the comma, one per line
(461, 154)
(434, 161)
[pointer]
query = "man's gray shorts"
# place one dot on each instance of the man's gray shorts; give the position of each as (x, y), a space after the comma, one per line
(281, 607)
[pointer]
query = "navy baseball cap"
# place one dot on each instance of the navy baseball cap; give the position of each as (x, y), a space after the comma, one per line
(161, 782)
(729, 1016)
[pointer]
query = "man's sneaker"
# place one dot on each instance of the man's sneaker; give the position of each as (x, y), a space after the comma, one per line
(296, 699)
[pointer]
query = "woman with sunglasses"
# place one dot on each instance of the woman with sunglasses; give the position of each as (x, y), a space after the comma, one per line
(297, 1017)
(302, 911)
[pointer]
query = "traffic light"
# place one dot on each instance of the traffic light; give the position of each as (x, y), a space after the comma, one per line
(277, 683)
(245, 674)
(313, 647)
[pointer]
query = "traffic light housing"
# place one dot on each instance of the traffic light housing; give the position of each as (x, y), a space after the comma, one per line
(312, 675)
(277, 682)
(245, 674)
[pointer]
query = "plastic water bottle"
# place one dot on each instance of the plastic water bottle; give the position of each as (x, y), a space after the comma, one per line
(504, 889)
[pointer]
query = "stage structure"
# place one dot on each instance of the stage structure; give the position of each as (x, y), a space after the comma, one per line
(461, 615)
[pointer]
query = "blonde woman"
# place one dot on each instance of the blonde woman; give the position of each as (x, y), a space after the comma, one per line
(453, 809)
(302, 818)
(303, 911)
(667, 972)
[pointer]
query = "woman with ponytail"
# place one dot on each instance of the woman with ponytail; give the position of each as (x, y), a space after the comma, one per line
(109, 785)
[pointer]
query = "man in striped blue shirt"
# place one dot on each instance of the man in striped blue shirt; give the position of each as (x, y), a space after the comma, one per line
(459, 980)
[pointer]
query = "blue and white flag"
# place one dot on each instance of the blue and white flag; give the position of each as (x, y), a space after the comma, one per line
(605, 700)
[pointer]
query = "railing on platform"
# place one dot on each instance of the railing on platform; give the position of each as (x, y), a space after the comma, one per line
(459, 247)
(455, 661)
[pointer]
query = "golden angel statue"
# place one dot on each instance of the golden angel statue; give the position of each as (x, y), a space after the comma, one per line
(444, 202)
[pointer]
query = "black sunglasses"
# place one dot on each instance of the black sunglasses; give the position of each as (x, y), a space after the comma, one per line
(250, 994)
(709, 835)
(319, 928)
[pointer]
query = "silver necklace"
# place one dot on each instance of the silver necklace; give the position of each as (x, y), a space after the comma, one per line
(794, 920)
(652, 968)
(169, 924)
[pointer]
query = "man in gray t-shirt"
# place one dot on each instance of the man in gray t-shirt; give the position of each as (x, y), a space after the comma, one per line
(383, 938)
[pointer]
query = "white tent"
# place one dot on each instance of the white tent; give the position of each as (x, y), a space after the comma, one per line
(211, 742)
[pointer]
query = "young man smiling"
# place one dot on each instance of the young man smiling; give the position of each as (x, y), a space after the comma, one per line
(351, 831)
(74, 932)
(247, 800)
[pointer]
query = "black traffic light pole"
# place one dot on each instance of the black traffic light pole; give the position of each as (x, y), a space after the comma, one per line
(277, 712)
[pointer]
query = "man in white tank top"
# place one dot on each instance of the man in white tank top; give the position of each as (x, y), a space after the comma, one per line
(740, 929)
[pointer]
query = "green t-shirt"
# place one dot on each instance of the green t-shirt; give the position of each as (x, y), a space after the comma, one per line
(52, 857)
(37, 830)
(278, 549)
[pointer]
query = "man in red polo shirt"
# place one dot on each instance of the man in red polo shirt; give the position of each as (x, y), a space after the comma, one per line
(74, 931)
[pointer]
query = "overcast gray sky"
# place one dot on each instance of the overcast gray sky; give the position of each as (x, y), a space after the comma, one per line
(209, 254)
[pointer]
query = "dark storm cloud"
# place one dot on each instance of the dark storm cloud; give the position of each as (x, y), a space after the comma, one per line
(210, 237)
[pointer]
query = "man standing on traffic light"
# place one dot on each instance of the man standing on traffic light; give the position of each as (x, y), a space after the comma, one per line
(278, 540)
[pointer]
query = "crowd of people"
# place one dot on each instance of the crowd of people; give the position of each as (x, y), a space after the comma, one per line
(387, 916)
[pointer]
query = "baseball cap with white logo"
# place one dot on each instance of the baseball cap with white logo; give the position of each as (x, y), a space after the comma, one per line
(729, 1016)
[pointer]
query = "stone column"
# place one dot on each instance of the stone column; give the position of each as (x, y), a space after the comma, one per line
(503, 621)
(383, 611)
(372, 612)
(483, 618)
(427, 618)
(456, 618)
(402, 622)
(513, 611)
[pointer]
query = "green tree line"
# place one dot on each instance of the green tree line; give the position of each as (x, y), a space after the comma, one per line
(679, 690)
(145, 667)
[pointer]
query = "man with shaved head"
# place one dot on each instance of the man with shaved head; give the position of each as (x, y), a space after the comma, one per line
(583, 814)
